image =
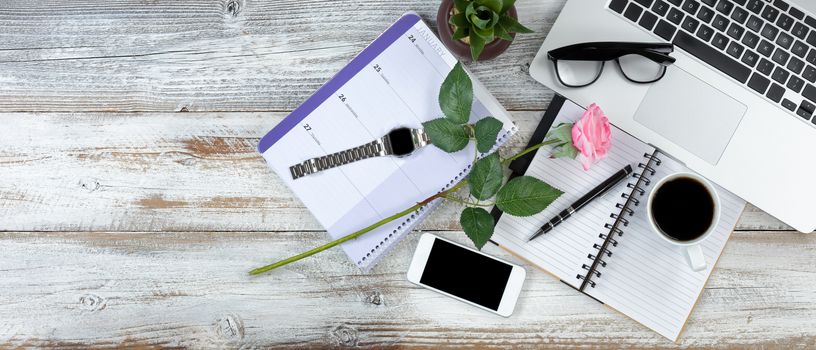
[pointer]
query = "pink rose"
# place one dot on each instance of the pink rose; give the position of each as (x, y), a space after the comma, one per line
(592, 136)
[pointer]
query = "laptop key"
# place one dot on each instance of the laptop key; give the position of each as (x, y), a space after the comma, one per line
(676, 2)
(780, 75)
(750, 39)
(725, 6)
(758, 83)
(810, 21)
(799, 49)
(675, 16)
(810, 93)
(796, 65)
(775, 93)
(711, 56)
(790, 105)
(750, 58)
(691, 6)
(735, 49)
(765, 48)
(755, 6)
(785, 21)
(754, 23)
(739, 15)
(795, 84)
(665, 30)
(796, 13)
(710, 2)
(661, 7)
(705, 14)
(780, 57)
(690, 24)
(781, 5)
(765, 66)
(770, 14)
(799, 30)
(705, 32)
(811, 57)
(648, 20)
(645, 3)
(784, 40)
(811, 39)
(809, 74)
(618, 5)
(769, 31)
(633, 12)
(805, 110)
(740, 2)
(720, 41)
(735, 31)
(721, 23)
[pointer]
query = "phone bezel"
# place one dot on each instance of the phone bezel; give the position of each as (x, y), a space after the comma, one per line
(511, 291)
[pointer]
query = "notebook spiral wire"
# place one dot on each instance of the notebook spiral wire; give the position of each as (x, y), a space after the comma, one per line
(631, 200)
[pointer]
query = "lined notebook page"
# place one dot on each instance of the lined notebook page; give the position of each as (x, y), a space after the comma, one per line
(649, 279)
(564, 250)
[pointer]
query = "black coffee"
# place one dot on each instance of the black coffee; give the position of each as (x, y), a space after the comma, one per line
(683, 208)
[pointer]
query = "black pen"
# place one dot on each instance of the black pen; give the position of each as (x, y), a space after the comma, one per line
(581, 202)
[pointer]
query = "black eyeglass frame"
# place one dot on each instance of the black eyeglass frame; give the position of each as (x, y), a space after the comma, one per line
(608, 51)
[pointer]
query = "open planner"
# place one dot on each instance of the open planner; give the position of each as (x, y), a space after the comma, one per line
(637, 272)
(394, 82)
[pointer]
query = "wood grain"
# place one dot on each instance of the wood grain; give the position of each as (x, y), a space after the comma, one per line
(168, 172)
(201, 55)
(192, 290)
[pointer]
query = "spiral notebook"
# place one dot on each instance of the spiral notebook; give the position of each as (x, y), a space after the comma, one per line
(607, 250)
(394, 82)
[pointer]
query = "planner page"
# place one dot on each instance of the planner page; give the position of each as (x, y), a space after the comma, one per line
(393, 83)
(649, 279)
(563, 251)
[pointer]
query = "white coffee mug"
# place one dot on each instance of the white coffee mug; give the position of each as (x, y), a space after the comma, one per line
(696, 258)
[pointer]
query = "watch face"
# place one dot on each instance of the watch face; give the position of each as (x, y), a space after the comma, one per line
(401, 142)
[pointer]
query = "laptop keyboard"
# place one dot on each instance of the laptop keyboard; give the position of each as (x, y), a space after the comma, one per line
(770, 46)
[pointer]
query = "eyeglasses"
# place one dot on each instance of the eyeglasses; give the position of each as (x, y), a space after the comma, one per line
(580, 65)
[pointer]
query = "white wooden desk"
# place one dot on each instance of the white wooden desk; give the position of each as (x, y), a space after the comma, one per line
(133, 202)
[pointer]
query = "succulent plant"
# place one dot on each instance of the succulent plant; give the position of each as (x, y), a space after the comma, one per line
(479, 22)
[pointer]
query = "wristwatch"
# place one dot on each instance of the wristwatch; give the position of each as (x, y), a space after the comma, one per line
(399, 142)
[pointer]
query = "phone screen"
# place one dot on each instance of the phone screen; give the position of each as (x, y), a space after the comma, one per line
(465, 274)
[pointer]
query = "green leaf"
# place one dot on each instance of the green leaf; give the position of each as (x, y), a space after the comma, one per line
(485, 34)
(561, 132)
(459, 20)
(446, 135)
(478, 22)
(512, 26)
(501, 33)
(506, 5)
(477, 44)
(461, 32)
(478, 225)
(525, 196)
(565, 150)
(456, 95)
(461, 5)
(486, 131)
(486, 177)
(493, 5)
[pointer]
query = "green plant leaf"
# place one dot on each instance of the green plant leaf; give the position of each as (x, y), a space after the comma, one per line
(486, 131)
(459, 20)
(446, 135)
(460, 5)
(561, 132)
(565, 150)
(506, 5)
(456, 94)
(461, 32)
(501, 33)
(525, 196)
(485, 34)
(486, 177)
(477, 44)
(477, 224)
(512, 26)
(493, 5)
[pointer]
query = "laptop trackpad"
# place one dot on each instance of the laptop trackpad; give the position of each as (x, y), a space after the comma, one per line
(691, 113)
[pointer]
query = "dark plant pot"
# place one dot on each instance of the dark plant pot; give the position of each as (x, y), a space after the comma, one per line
(460, 49)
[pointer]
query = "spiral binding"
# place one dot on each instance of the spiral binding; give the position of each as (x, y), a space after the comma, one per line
(423, 211)
(609, 241)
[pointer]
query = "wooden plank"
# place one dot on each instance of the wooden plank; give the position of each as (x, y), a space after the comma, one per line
(167, 172)
(232, 55)
(191, 290)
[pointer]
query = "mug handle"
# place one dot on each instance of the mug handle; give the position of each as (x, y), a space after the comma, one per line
(696, 257)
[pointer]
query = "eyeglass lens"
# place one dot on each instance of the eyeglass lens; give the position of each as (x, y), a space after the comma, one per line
(577, 73)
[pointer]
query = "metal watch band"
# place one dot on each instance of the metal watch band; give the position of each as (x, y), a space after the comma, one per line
(372, 149)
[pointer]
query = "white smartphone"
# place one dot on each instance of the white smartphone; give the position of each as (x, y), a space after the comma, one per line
(466, 274)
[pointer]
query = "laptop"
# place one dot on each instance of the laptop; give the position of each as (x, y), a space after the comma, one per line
(738, 104)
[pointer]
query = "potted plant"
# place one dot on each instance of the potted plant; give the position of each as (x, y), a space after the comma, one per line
(478, 29)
